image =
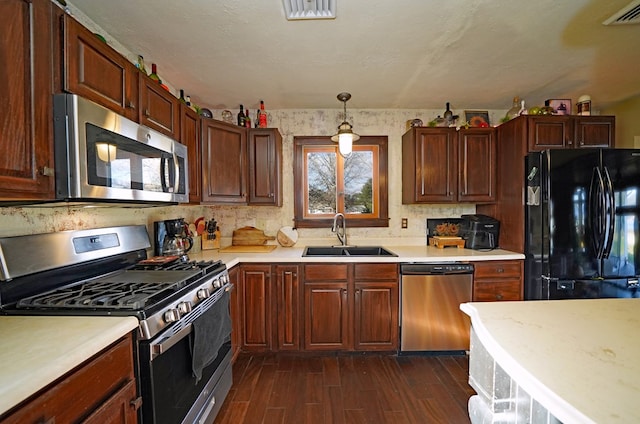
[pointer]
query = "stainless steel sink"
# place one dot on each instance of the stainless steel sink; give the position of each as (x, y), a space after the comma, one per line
(347, 251)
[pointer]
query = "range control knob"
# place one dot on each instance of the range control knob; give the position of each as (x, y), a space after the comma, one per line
(184, 307)
(217, 283)
(203, 293)
(171, 315)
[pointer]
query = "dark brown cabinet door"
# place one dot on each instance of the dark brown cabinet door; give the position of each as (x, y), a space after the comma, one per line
(159, 109)
(326, 307)
(121, 408)
(549, 132)
(97, 72)
(265, 163)
(288, 306)
(376, 316)
(429, 165)
(594, 131)
(224, 162)
(376, 307)
(326, 316)
(26, 131)
(477, 165)
(190, 136)
(256, 307)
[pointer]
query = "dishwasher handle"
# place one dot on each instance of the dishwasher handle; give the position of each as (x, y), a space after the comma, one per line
(435, 269)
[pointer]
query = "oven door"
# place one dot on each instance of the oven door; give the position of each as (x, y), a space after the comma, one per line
(170, 391)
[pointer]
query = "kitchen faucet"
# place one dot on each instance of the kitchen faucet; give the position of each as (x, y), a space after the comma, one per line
(341, 231)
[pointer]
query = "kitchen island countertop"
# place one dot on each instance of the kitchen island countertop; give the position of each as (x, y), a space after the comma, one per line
(37, 350)
(577, 358)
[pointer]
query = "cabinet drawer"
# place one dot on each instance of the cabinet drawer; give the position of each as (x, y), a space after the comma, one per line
(489, 291)
(498, 269)
(371, 272)
(325, 272)
(74, 397)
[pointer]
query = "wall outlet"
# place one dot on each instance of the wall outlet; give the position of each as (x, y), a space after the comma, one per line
(405, 223)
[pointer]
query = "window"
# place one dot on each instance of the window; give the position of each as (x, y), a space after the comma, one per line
(326, 183)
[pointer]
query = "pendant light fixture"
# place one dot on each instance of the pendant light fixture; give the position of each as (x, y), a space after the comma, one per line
(345, 136)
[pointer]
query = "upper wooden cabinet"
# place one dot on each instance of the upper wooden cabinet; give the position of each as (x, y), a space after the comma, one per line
(94, 70)
(159, 109)
(443, 165)
(241, 166)
(26, 127)
(265, 163)
(190, 136)
(224, 161)
(562, 132)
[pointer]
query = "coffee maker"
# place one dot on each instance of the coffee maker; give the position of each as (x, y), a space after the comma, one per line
(171, 238)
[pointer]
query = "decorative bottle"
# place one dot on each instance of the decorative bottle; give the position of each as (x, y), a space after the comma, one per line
(154, 74)
(515, 108)
(256, 122)
(263, 116)
(140, 64)
(181, 98)
(247, 119)
(241, 121)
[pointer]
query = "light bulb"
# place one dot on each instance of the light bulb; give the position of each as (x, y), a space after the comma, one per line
(345, 144)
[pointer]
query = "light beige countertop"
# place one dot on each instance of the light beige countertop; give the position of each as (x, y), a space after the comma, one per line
(37, 350)
(405, 254)
(580, 359)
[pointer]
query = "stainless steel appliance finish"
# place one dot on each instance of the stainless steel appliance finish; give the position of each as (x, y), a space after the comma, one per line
(103, 157)
(183, 348)
(430, 316)
(582, 224)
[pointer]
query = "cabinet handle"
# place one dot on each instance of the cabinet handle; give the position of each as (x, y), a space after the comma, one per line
(500, 270)
(131, 105)
(146, 112)
(569, 142)
(136, 403)
(47, 172)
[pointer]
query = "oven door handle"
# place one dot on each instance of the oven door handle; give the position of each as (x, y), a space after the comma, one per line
(160, 346)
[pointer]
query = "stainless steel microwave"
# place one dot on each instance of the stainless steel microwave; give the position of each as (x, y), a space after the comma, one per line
(101, 156)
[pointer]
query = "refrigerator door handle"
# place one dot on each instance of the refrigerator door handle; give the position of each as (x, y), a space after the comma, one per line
(610, 211)
(597, 219)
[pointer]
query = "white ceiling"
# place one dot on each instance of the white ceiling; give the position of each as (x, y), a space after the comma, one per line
(389, 54)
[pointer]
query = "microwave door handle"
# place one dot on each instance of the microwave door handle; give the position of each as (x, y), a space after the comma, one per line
(176, 173)
(163, 175)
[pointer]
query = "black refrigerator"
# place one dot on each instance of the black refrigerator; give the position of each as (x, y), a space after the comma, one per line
(581, 224)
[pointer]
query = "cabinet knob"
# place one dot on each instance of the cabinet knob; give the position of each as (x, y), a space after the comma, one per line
(146, 112)
(51, 420)
(569, 142)
(136, 403)
(131, 105)
(47, 172)
(499, 296)
(500, 270)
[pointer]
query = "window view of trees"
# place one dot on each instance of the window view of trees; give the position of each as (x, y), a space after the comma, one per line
(327, 183)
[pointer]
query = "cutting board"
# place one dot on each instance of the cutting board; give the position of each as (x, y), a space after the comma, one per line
(249, 236)
(265, 248)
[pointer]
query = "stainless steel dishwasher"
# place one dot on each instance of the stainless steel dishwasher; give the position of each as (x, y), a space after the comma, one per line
(430, 316)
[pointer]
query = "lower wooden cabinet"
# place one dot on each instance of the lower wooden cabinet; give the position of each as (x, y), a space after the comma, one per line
(256, 303)
(351, 306)
(311, 307)
(497, 280)
(102, 390)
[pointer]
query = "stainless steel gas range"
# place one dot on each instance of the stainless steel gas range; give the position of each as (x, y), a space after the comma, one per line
(183, 341)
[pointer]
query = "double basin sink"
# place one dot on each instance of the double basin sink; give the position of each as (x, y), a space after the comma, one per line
(347, 251)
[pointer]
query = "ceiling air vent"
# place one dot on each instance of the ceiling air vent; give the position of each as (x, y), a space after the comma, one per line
(630, 14)
(310, 9)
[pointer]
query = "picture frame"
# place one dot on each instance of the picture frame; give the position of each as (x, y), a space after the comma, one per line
(477, 118)
(560, 106)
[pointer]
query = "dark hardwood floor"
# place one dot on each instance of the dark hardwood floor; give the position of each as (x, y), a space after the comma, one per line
(348, 389)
